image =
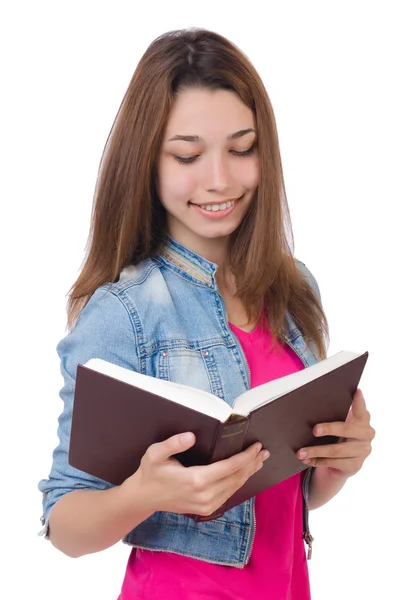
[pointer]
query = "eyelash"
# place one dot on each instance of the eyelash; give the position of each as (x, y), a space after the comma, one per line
(192, 159)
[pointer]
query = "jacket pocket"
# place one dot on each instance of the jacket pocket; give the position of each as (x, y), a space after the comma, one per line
(196, 368)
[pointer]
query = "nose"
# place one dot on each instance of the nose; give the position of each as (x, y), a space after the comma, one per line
(217, 176)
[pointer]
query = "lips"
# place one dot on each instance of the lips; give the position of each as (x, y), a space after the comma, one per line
(217, 206)
(216, 210)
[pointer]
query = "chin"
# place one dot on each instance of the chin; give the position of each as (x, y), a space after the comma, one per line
(217, 232)
(218, 236)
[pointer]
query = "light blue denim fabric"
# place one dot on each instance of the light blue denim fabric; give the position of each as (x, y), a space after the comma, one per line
(165, 318)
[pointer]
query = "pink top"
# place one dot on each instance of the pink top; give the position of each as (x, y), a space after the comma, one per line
(277, 569)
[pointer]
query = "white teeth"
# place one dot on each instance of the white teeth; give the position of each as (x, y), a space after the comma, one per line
(216, 207)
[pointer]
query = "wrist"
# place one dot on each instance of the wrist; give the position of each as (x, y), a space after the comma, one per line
(325, 483)
(336, 474)
(134, 500)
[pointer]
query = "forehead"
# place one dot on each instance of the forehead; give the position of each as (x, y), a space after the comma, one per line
(208, 113)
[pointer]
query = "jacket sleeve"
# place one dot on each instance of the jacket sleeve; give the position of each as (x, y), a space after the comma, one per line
(308, 275)
(104, 330)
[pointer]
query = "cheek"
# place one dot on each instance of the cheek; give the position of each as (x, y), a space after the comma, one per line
(253, 175)
(176, 182)
(247, 173)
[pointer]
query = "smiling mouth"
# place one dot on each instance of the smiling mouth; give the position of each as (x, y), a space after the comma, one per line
(217, 207)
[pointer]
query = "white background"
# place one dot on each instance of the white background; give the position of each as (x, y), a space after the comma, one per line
(330, 70)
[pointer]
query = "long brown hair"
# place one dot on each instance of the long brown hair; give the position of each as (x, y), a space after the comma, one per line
(128, 221)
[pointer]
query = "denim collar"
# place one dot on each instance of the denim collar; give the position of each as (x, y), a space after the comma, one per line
(187, 263)
(199, 270)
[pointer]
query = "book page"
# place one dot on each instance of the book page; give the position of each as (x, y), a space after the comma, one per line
(198, 400)
(258, 396)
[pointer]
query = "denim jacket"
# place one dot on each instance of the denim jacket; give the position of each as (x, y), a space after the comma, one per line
(166, 318)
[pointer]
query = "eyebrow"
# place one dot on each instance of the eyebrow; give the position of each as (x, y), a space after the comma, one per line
(196, 138)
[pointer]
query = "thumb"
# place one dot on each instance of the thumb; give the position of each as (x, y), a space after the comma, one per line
(358, 409)
(173, 445)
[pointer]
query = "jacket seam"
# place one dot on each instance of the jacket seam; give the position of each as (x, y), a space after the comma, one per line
(119, 287)
(137, 335)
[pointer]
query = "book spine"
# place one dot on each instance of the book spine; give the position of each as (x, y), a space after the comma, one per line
(229, 441)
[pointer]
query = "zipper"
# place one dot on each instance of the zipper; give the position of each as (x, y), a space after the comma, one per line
(251, 543)
(307, 536)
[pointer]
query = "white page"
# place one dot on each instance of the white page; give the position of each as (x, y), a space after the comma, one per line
(199, 400)
(258, 396)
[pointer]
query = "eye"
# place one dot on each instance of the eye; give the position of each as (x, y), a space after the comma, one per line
(244, 152)
(191, 159)
(185, 161)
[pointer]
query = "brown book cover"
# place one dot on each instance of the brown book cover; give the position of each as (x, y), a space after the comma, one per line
(114, 422)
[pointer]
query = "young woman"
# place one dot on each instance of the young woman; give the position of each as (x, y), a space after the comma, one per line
(190, 277)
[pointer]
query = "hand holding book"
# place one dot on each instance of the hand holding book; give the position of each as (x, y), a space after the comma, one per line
(168, 486)
(355, 436)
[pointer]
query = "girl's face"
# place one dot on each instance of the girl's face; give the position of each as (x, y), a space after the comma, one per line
(208, 166)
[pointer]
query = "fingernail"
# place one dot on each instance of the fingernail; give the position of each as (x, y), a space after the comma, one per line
(187, 437)
(265, 454)
(302, 453)
(258, 447)
(319, 431)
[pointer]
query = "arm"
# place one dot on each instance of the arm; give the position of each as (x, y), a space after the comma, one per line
(84, 514)
(324, 485)
(103, 330)
(331, 474)
(86, 521)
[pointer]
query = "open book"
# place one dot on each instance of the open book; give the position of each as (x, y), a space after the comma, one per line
(118, 414)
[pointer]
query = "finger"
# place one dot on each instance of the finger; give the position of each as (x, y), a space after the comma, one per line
(358, 407)
(216, 483)
(343, 450)
(174, 445)
(347, 466)
(336, 428)
(354, 430)
(224, 468)
(229, 484)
